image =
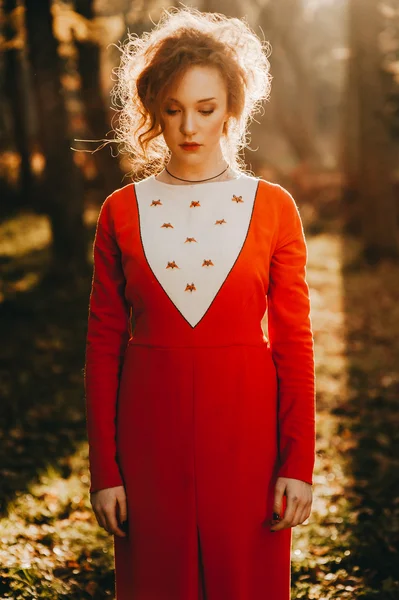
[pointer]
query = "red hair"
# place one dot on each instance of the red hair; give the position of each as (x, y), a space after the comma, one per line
(184, 37)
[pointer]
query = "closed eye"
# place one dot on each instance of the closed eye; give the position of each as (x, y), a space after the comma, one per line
(170, 111)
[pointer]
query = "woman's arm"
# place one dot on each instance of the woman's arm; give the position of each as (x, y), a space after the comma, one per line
(292, 345)
(107, 335)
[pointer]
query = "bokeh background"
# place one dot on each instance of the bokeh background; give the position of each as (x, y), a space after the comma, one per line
(329, 134)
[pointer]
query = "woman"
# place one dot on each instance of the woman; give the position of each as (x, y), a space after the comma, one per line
(201, 429)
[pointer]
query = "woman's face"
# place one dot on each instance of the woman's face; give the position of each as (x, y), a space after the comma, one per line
(195, 111)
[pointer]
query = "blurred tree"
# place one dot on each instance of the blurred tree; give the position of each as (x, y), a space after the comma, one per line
(293, 110)
(369, 158)
(293, 100)
(17, 94)
(63, 190)
(108, 8)
(109, 173)
(350, 148)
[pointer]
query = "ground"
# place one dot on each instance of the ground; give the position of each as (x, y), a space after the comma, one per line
(50, 544)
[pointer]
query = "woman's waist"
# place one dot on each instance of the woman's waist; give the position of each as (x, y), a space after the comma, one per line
(193, 341)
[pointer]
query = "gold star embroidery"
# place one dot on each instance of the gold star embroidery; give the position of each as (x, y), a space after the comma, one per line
(208, 263)
(167, 225)
(190, 239)
(220, 222)
(194, 204)
(237, 199)
(172, 265)
(156, 203)
(190, 287)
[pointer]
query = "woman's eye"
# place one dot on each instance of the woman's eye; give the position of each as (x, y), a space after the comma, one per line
(171, 111)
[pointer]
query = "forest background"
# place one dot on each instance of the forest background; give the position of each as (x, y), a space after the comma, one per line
(329, 134)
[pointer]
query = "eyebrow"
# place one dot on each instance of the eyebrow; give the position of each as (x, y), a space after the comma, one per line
(198, 101)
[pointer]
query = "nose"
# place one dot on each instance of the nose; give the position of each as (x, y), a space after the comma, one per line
(187, 125)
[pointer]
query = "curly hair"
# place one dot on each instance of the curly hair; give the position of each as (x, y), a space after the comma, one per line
(150, 64)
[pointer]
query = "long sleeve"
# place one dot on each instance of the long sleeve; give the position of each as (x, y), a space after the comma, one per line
(108, 332)
(292, 344)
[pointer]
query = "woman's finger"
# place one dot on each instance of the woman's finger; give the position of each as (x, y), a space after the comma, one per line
(122, 509)
(300, 511)
(292, 502)
(112, 523)
(101, 520)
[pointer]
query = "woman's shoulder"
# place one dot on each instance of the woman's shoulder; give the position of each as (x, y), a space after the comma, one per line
(117, 202)
(116, 207)
(275, 190)
(119, 194)
(273, 196)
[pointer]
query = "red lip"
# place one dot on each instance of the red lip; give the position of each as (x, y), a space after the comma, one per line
(190, 145)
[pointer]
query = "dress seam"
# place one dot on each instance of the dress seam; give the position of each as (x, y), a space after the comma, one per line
(197, 346)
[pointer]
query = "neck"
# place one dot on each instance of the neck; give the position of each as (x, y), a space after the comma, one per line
(197, 172)
(213, 177)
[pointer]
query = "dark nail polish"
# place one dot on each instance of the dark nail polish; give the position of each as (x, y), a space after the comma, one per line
(276, 516)
(124, 526)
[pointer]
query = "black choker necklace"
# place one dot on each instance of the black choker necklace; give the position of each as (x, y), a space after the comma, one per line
(198, 180)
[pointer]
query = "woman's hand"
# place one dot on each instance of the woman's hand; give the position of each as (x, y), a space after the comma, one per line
(299, 502)
(106, 504)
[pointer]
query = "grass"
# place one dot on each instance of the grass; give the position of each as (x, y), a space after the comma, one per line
(50, 543)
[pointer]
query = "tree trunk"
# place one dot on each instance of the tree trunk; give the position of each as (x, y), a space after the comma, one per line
(17, 96)
(63, 199)
(292, 101)
(376, 156)
(110, 174)
(349, 148)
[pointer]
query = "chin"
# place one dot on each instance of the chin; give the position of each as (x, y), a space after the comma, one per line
(188, 156)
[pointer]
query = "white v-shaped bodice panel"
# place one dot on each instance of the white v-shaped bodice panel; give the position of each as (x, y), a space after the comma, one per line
(192, 235)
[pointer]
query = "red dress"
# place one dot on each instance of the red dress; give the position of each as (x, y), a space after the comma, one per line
(189, 405)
